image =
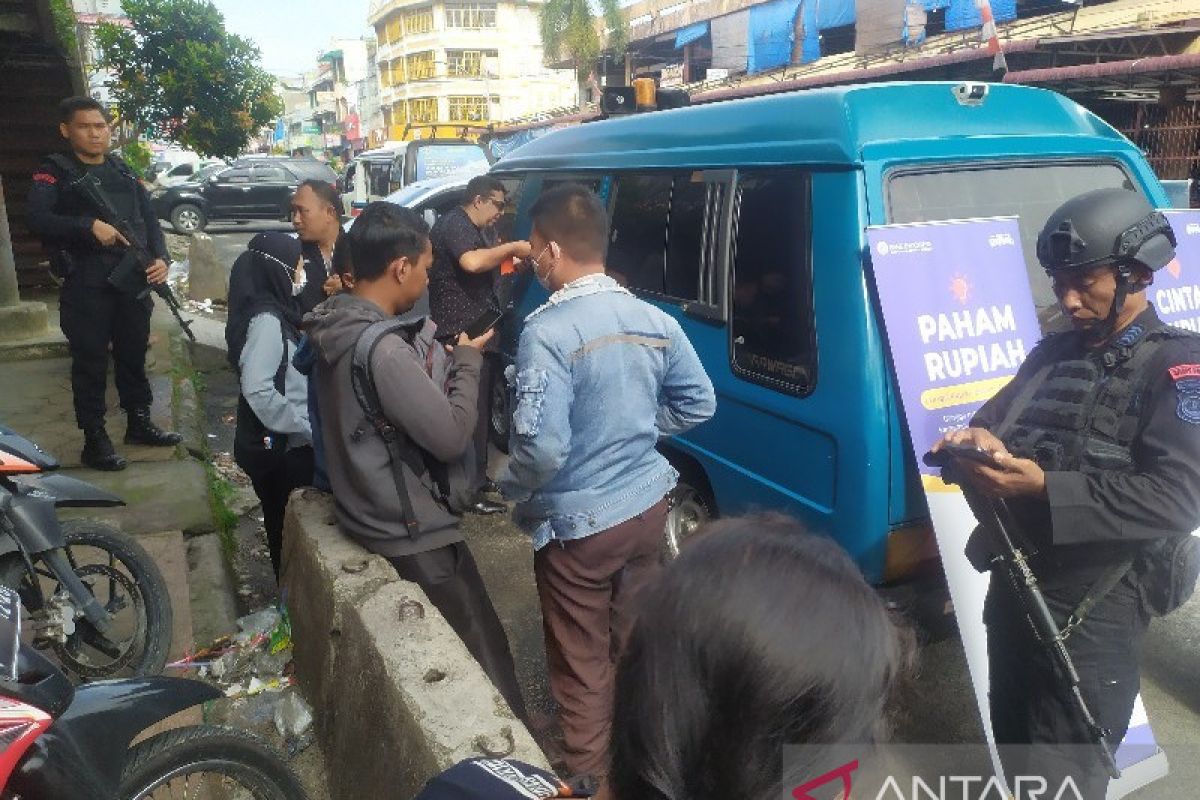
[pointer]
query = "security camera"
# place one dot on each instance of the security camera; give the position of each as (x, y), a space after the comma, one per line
(970, 94)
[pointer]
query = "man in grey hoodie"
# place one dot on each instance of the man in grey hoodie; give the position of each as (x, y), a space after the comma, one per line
(390, 250)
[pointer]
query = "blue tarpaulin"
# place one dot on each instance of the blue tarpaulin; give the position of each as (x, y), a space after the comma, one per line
(962, 14)
(691, 33)
(771, 35)
(832, 13)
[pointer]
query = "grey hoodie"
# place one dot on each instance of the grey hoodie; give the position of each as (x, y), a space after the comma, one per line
(439, 421)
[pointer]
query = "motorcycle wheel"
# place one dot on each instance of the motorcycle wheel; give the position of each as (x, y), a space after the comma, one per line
(124, 578)
(219, 762)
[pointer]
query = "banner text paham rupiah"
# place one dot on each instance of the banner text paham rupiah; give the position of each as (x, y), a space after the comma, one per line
(967, 359)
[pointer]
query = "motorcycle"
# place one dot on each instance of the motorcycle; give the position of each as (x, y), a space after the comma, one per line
(92, 594)
(58, 740)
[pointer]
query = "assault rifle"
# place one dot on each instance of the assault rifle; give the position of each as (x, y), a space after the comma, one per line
(995, 518)
(130, 274)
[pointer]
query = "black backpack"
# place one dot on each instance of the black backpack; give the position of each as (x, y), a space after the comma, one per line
(451, 484)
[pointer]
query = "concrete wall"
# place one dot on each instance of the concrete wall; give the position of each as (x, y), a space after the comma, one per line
(398, 696)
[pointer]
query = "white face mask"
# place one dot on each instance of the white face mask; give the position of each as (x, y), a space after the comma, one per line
(297, 288)
(544, 280)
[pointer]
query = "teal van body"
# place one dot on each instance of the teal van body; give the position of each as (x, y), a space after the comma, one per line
(746, 221)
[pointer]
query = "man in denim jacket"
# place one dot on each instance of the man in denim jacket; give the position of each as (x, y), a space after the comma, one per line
(600, 377)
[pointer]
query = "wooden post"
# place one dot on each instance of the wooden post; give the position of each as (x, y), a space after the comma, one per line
(687, 63)
(8, 265)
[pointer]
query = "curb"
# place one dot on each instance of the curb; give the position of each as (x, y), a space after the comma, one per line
(400, 697)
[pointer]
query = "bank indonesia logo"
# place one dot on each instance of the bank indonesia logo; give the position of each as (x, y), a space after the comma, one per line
(1193, 229)
(882, 248)
(1001, 240)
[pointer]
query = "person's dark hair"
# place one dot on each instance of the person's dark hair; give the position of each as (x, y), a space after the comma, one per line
(325, 191)
(481, 186)
(382, 233)
(758, 636)
(573, 216)
(70, 105)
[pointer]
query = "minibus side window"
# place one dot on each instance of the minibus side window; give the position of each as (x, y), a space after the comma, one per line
(637, 243)
(772, 320)
(688, 206)
(512, 202)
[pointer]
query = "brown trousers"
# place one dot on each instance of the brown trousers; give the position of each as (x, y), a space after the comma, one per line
(588, 588)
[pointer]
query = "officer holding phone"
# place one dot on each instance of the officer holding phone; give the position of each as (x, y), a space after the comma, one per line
(467, 257)
(1095, 446)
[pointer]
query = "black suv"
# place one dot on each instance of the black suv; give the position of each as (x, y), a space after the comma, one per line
(253, 189)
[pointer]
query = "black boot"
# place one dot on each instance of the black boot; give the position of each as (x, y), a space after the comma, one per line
(142, 430)
(99, 453)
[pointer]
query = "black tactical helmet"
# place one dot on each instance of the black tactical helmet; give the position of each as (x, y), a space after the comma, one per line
(1116, 226)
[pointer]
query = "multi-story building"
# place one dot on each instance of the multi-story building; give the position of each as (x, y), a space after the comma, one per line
(88, 16)
(369, 111)
(448, 67)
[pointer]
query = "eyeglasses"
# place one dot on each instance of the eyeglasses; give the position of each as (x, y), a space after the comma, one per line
(499, 204)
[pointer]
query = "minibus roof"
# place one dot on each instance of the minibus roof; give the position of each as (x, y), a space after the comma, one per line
(817, 126)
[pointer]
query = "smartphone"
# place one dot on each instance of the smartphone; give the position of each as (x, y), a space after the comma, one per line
(490, 319)
(961, 451)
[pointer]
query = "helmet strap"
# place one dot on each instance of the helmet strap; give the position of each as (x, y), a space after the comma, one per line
(1110, 323)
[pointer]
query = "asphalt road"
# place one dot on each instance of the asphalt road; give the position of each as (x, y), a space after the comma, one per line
(231, 238)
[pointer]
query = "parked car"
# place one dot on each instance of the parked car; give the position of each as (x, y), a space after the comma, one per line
(182, 173)
(306, 167)
(367, 179)
(262, 190)
(431, 158)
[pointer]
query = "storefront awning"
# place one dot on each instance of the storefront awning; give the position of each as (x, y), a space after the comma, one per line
(691, 33)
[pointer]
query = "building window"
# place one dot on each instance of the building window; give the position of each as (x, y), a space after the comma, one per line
(393, 31)
(423, 109)
(419, 66)
(470, 15)
(468, 109)
(396, 68)
(418, 21)
(467, 63)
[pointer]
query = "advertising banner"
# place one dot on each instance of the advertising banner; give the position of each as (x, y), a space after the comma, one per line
(1175, 293)
(960, 321)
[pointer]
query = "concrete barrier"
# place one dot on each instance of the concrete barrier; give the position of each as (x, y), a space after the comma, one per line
(398, 696)
(208, 278)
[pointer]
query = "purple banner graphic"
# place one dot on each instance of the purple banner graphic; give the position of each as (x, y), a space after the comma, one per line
(959, 317)
(1176, 290)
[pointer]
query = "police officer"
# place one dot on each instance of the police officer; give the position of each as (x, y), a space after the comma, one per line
(1097, 451)
(84, 251)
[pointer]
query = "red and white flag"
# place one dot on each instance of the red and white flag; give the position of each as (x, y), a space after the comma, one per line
(987, 33)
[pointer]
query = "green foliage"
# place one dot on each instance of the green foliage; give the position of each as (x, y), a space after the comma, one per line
(568, 30)
(138, 156)
(64, 26)
(179, 73)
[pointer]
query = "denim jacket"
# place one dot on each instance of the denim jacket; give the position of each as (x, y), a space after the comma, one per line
(600, 377)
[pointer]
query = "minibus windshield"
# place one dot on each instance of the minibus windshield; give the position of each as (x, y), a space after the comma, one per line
(1027, 190)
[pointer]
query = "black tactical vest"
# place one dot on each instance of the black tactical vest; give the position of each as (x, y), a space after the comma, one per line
(1082, 413)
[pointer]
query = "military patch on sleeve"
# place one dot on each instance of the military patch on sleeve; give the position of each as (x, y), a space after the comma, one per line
(44, 177)
(1187, 388)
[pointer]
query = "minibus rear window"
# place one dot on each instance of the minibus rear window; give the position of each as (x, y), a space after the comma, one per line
(1030, 191)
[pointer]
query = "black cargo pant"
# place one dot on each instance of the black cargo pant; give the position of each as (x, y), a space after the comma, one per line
(451, 581)
(95, 319)
(1031, 710)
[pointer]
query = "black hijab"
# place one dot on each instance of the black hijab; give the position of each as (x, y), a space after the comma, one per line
(261, 283)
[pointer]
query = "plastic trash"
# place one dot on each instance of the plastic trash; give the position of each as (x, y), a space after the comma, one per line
(260, 623)
(293, 716)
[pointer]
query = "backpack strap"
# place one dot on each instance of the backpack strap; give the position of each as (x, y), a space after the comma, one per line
(368, 398)
(68, 167)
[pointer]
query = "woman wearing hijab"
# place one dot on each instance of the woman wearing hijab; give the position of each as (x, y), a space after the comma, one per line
(273, 441)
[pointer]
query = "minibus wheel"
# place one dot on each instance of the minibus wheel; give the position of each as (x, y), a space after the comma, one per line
(501, 409)
(690, 510)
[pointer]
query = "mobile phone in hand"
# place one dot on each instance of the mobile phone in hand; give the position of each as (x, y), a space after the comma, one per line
(964, 452)
(488, 320)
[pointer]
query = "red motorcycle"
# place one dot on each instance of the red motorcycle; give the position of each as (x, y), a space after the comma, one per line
(63, 741)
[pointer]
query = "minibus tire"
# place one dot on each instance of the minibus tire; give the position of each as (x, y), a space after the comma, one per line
(690, 509)
(500, 407)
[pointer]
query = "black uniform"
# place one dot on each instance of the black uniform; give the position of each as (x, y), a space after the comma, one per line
(95, 315)
(1117, 431)
(316, 271)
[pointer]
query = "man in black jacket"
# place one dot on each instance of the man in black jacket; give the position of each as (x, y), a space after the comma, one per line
(1096, 448)
(96, 315)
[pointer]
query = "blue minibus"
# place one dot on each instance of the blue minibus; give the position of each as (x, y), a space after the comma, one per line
(746, 221)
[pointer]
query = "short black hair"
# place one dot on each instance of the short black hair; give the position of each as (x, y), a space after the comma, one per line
(67, 107)
(382, 233)
(481, 186)
(324, 190)
(341, 263)
(573, 216)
